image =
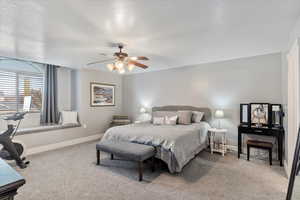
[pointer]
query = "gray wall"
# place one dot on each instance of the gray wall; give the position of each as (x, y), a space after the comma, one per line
(96, 119)
(216, 85)
(74, 93)
(295, 33)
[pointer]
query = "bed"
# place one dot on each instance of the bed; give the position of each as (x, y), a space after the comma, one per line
(176, 145)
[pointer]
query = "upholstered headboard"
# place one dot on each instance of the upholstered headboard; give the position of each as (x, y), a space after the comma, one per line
(207, 112)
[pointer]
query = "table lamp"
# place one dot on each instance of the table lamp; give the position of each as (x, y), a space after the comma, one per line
(143, 110)
(219, 114)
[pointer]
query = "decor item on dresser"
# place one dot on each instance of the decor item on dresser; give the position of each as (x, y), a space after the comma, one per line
(120, 120)
(219, 114)
(277, 115)
(259, 114)
(10, 181)
(102, 94)
(245, 114)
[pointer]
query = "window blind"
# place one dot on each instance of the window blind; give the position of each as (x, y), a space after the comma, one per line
(14, 86)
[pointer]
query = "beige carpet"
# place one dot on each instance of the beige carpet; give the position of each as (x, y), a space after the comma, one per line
(71, 174)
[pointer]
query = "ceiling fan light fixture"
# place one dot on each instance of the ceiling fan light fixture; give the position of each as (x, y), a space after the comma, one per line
(130, 67)
(121, 71)
(121, 62)
(119, 65)
(111, 67)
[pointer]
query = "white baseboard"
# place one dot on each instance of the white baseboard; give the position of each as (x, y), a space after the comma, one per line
(59, 145)
(232, 148)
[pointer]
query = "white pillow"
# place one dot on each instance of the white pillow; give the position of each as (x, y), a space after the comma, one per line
(158, 120)
(171, 120)
(68, 117)
(197, 116)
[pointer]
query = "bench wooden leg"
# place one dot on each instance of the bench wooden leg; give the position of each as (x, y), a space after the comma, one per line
(98, 157)
(270, 156)
(140, 170)
(248, 152)
(111, 156)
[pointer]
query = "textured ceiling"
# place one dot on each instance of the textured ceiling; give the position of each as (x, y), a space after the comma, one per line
(172, 33)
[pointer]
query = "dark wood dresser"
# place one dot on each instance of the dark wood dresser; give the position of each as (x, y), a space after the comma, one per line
(277, 133)
(10, 181)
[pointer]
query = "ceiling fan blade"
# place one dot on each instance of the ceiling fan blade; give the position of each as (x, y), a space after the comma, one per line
(139, 58)
(101, 61)
(138, 64)
(142, 58)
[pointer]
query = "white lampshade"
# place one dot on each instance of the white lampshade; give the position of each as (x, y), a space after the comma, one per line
(110, 67)
(219, 114)
(130, 67)
(119, 65)
(143, 110)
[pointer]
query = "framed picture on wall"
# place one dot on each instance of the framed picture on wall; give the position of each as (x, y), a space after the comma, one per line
(102, 94)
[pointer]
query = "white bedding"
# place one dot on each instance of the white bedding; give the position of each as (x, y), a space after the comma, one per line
(175, 145)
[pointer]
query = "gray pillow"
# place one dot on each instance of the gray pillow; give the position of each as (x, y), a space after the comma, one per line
(184, 117)
(197, 116)
(164, 114)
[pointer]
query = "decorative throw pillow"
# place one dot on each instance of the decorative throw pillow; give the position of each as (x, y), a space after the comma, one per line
(164, 113)
(68, 117)
(158, 120)
(197, 116)
(171, 120)
(184, 117)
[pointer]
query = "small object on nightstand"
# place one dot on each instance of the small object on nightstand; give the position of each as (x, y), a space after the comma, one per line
(222, 147)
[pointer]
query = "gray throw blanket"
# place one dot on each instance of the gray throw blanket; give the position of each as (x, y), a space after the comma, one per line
(176, 145)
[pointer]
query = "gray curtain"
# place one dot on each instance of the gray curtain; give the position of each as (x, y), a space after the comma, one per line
(49, 110)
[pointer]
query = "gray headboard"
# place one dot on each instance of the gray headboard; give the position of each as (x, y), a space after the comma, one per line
(207, 112)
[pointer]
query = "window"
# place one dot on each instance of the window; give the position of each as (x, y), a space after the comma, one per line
(17, 82)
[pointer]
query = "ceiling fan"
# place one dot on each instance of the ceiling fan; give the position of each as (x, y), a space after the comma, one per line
(121, 61)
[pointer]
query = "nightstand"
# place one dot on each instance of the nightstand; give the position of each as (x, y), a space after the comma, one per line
(221, 147)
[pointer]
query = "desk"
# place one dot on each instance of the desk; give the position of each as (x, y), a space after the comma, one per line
(10, 181)
(278, 133)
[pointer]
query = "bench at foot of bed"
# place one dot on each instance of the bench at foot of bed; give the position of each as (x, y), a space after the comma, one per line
(131, 151)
